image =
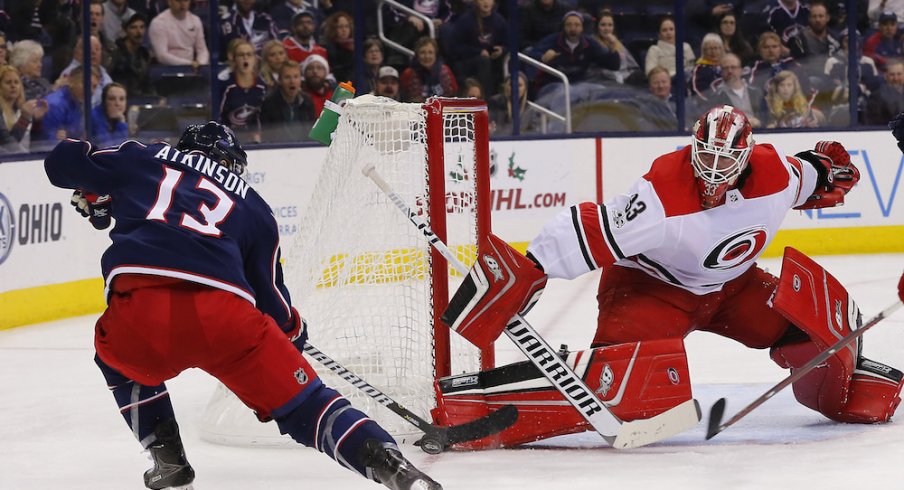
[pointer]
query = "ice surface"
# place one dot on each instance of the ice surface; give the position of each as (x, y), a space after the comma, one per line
(59, 427)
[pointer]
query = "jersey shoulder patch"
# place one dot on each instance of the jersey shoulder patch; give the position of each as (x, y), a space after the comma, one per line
(672, 178)
(768, 174)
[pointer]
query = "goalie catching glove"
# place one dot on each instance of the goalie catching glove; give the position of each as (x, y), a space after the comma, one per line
(94, 207)
(501, 284)
(837, 175)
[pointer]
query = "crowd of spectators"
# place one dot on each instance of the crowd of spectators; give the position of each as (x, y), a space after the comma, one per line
(784, 62)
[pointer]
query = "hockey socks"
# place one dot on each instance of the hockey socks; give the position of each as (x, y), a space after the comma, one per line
(326, 421)
(142, 407)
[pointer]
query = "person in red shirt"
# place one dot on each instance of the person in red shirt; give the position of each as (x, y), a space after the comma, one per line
(301, 43)
(316, 85)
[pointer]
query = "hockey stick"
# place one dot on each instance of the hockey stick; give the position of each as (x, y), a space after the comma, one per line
(618, 434)
(717, 411)
(436, 439)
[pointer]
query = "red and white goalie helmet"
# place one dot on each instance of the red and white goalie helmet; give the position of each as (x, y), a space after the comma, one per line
(722, 143)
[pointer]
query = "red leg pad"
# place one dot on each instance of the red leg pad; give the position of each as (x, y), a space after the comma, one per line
(501, 283)
(635, 380)
(825, 388)
(874, 395)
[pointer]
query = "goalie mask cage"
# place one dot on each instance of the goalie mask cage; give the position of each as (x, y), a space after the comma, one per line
(365, 278)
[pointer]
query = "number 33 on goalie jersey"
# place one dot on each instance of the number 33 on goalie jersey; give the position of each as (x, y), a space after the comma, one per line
(166, 203)
(660, 227)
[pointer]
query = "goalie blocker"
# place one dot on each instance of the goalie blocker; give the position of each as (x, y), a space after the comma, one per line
(848, 387)
(501, 284)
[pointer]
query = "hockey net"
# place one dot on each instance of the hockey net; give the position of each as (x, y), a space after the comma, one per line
(364, 277)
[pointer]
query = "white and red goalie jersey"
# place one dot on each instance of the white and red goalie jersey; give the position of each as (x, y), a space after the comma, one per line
(659, 226)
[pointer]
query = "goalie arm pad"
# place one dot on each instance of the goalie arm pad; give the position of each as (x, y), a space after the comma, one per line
(502, 283)
(836, 174)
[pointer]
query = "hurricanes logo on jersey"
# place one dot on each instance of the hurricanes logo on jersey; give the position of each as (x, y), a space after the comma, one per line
(737, 249)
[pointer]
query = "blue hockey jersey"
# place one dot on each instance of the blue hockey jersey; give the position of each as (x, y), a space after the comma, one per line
(180, 215)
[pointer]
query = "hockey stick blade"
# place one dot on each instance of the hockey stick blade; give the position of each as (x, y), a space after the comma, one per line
(642, 432)
(436, 439)
(715, 427)
(715, 419)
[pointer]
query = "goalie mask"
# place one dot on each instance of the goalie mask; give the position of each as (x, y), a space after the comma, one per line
(217, 142)
(722, 143)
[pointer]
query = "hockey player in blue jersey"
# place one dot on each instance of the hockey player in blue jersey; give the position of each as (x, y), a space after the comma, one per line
(193, 279)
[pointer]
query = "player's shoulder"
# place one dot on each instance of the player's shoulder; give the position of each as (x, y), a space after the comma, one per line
(768, 172)
(672, 179)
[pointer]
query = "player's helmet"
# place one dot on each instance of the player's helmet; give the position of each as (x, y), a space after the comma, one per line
(722, 143)
(217, 142)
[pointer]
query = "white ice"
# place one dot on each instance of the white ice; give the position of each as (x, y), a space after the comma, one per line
(59, 426)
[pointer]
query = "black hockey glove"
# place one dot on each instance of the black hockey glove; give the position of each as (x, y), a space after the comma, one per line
(297, 330)
(80, 204)
(99, 209)
(897, 129)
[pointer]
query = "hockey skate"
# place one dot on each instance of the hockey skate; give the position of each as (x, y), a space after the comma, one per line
(392, 469)
(171, 470)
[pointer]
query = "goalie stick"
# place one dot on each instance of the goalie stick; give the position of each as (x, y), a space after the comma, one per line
(715, 425)
(436, 439)
(619, 434)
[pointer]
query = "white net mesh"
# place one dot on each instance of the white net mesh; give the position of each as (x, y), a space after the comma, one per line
(360, 272)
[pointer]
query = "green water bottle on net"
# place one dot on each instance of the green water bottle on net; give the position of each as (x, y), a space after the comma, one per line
(325, 125)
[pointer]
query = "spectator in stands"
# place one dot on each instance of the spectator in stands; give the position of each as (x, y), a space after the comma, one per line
(788, 107)
(273, 56)
(243, 95)
(816, 40)
(96, 16)
(243, 22)
(317, 86)
(500, 109)
(373, 61)
(4, 49)
(177, 36)
(886, 42)
(658, 106)
(572, 52)
(116, 13)
(406, 29)
(540, 18)
(663, 52)
(96, 54)
(888, 100)
(428, 75)
(731, 89)
(301, 43)
(628, 70)
(287, 114)
(877, 7)
(787, 19)
(18, 112)
(108, 120)
(733, 39)
(387, 84)
(771, 62)
(707, 69)
(339, 41)
(27, 56)
(48, 23)
(472, 88)
(479, 44)
(283, 12)
(65, 107)
(131, 59)
(836, 74)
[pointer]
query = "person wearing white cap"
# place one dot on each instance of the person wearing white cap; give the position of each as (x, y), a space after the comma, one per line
(387, 83)
(316, 85)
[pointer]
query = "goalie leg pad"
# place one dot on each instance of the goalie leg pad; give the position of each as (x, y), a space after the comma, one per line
(635, 380)
(501, 283)
(874, 394)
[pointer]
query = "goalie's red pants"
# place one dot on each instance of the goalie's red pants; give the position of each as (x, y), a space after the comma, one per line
(634, 306)
(156, 327)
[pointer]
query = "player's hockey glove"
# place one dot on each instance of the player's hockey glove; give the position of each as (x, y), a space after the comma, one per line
(901, 288)
(837, 175)
(896, 126)
(95, 208)
(297, 330)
